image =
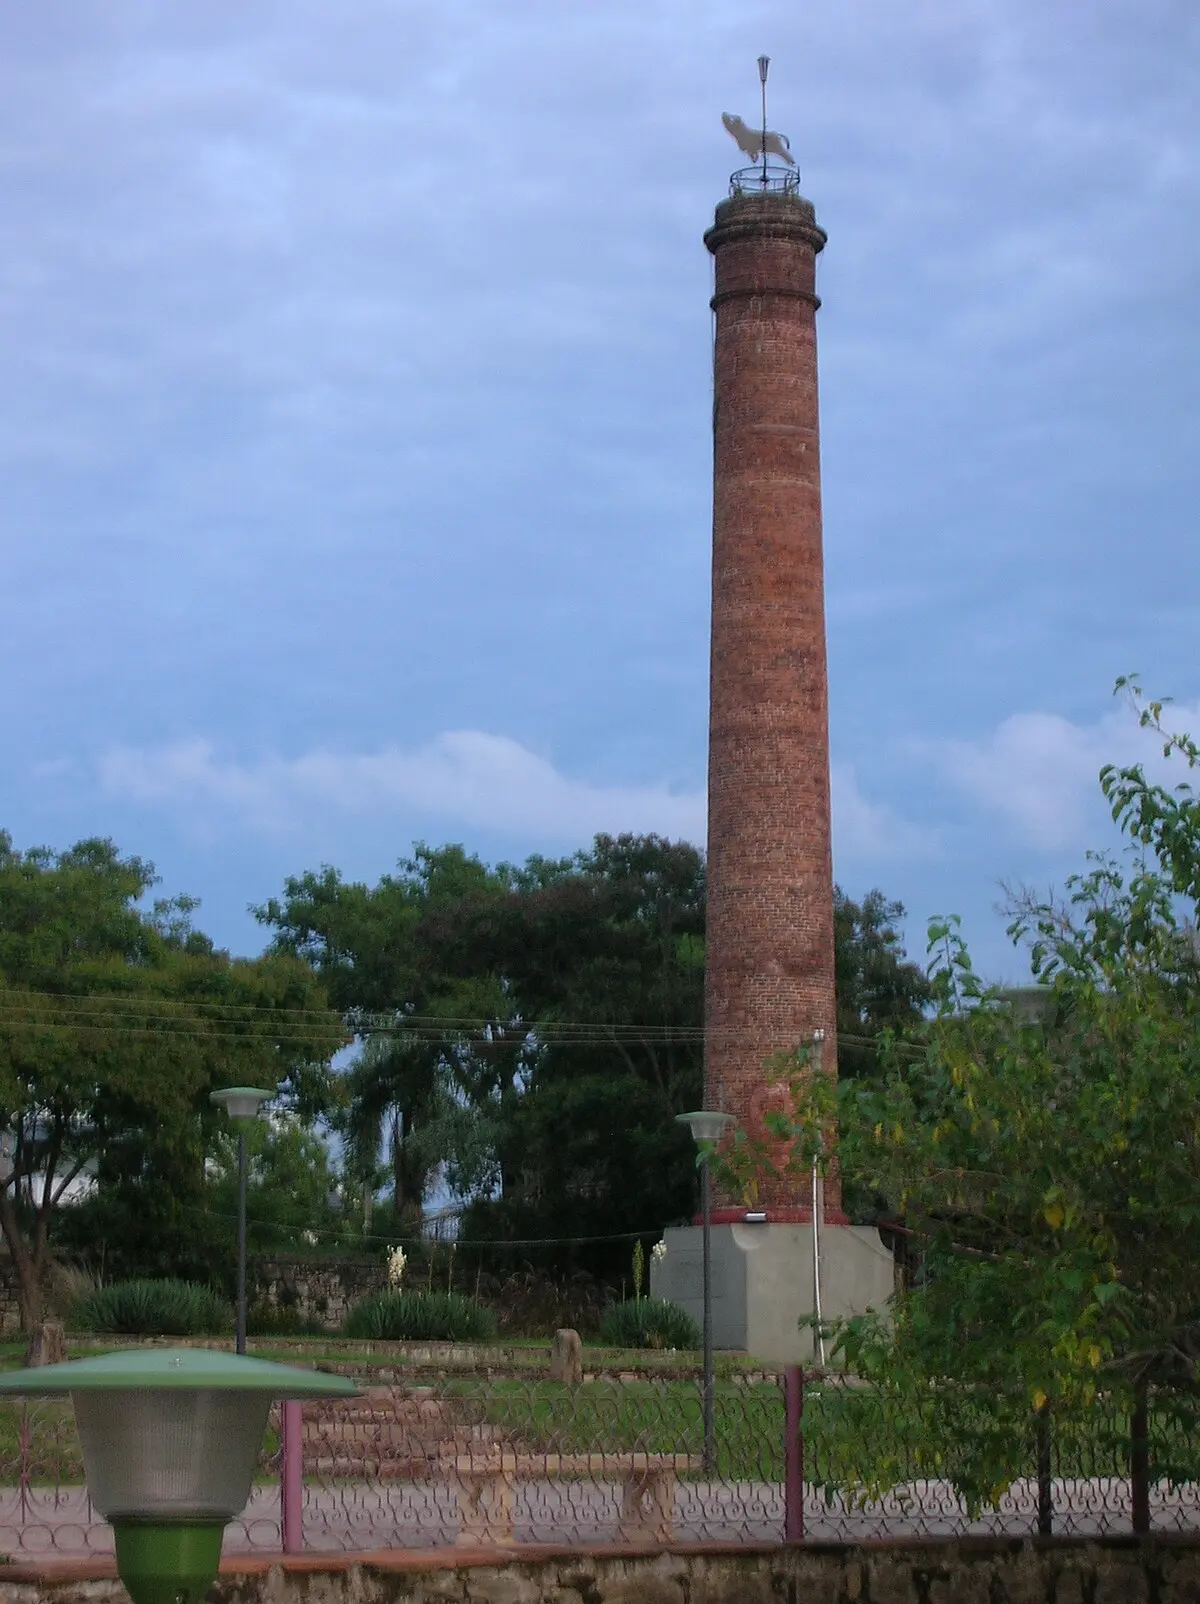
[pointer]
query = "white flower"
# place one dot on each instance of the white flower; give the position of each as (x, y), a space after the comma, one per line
(309, 1238)
(658, 1252)
(395, 1267)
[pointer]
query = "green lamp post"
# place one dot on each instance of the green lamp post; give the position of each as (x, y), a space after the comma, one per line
(241, 1103)
(170, 1438)
(707, 1127)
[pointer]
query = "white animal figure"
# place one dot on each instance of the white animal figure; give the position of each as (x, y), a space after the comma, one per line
(751, 140)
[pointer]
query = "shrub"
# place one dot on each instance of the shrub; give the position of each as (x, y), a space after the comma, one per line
(153, 1309)
(533, 1303)
(648, 1323)
(420, 1317)
(266, 1320)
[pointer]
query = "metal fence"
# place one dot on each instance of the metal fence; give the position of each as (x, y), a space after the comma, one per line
(479, 1459)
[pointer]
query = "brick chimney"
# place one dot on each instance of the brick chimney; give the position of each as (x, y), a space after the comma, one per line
(769, 969)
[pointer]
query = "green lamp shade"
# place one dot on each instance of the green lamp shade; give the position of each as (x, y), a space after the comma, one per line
(170, 1455)
(705, 1124)
(170, 1441)
(241, 1102)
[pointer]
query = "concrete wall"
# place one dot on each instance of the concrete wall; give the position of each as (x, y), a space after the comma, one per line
(981, 1571)
(762, 1282)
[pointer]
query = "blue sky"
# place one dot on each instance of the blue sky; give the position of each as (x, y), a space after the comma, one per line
(354, 423)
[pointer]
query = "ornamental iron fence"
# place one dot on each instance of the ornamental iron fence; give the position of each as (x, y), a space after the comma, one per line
(477, 1459)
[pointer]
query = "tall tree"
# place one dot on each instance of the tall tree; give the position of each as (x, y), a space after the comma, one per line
(411, 962)
(609, 952)
(115, 1023)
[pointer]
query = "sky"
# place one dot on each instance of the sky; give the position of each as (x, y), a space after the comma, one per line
(355, 452)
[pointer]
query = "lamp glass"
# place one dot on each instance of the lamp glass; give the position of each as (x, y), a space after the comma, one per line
(706, 1125)
(177, 1455)
(241, 1102)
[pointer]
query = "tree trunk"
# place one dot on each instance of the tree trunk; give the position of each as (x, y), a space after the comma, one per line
(47, 1345)
(27, 1262)
(398, 1163)
(29, 1298)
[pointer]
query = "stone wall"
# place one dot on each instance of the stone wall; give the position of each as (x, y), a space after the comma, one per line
(318, 1290)
(1162, 1570)
(10, 1308)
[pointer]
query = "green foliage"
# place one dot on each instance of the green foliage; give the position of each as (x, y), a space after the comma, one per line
(420, 1317)
(878, 988)
(153, 1309)
(648, 1323)
(268, 1320)
(127, 1230)
(532, 1032)
(638, 1267)
(116, 1021)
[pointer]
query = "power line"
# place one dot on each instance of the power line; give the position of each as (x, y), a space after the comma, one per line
(298, 1037)
(394, 1239)
(159, 1017)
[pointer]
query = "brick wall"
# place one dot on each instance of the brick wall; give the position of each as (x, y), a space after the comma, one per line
(769, 959)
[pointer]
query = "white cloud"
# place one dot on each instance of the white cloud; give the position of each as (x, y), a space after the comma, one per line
(1040, 770)
(462, 779)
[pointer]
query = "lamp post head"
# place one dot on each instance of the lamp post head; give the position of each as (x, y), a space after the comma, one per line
(169, 1440)
(241, 1102)
(706, 1125)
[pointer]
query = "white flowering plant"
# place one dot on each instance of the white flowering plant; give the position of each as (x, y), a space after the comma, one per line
(396, 1261)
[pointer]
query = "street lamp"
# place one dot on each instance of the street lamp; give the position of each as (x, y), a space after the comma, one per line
(170, 1439)
(241, 1103)
(707, 1128)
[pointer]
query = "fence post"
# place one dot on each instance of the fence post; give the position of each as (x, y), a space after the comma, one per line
(1045, 1485)
(793, 1455)
(1139, 1459)
(291, 1475)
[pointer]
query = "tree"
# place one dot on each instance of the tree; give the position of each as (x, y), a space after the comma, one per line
(608, 954)
(115, 1023)
(1047, 1159)
(530, 1033)
(412, 964)
(878, 988)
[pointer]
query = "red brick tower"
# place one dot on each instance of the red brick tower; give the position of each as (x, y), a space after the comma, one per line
(770, 976)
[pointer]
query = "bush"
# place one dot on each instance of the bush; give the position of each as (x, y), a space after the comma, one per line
(420, 1317)
(265, 1320)
(648, 1323)
(153, 1309)
(532, 1303)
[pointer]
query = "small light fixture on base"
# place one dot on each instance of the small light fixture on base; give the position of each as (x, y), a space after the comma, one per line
(707, 1127)
(241, 1103)
(169, 1440)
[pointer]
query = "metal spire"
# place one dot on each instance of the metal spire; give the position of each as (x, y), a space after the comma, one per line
(764, 63)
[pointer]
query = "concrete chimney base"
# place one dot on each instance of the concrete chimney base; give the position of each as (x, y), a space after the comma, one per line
(762, 1282)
